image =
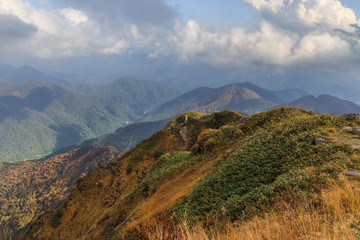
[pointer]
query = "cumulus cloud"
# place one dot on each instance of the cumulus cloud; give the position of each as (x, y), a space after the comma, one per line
(291, 32)
(64, 32)
(268, 45)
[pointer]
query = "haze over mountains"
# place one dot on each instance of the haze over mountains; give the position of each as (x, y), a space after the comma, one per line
(138, 95)
(19, 74)
(326, 104)
(39, 117)
(242, 97)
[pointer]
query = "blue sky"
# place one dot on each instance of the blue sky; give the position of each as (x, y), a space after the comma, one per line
(218, 13)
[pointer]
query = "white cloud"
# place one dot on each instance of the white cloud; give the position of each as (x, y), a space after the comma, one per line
(306, 13)
(268, 45)
(73, 16)
(292, 32)
(322, 46)
(64, 32)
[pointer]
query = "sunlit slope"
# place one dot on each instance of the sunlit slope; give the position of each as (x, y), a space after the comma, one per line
(207, 167)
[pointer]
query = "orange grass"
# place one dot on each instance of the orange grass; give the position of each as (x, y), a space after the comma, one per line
(167, 195)
(334, 213)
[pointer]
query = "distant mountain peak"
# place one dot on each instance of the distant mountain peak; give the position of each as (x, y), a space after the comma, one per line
(326, 103)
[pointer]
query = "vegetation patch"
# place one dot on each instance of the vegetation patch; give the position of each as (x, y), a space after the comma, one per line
(169, 163)
(264, 166)
(56, 219)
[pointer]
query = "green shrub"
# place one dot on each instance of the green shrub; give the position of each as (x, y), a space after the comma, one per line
(56, 219)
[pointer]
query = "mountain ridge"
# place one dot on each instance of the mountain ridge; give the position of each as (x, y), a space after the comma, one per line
(228, 97)
(223, 165)
(17, 74)
(326, 104)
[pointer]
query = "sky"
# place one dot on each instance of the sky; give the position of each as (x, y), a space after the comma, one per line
(263, 41)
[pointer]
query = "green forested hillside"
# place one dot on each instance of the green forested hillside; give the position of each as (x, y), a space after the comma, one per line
(37, 118)
(127, 137)
(139, 95)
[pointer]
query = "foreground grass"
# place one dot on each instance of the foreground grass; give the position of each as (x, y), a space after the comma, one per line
(332, 213)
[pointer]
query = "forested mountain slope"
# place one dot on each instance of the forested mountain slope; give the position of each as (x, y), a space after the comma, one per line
(30, 187)
(37, 118)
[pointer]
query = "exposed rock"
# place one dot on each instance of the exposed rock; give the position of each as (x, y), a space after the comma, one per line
(355, 147)
(172, 127)
(357, 129)
(320, 141)
(184, 134)
(354, 116)
(356, 137)
(346, 129)
(182, 119)
(242, 120)
(356, 174)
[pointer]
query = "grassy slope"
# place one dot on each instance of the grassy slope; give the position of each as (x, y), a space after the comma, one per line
(243, 172)
(30, 187)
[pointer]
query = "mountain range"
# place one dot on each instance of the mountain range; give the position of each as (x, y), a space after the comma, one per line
(138, 95)
(326, 104)
(39, 117)
(242, 97)
(18, 74)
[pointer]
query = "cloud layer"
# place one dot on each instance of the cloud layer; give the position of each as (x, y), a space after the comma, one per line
(312, 33)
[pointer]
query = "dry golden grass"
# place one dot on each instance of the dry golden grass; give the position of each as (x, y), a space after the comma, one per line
(333, 213)
(176, 187)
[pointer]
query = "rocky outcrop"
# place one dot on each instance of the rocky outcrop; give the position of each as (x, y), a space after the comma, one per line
(347, 129)
(352, 174)
(184, 134)
(352, 117)
(320, 141)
